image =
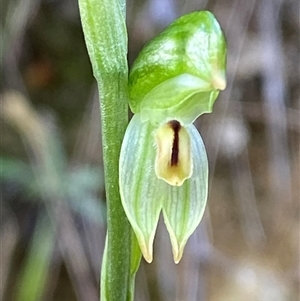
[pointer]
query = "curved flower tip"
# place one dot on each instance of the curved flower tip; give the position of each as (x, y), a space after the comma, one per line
(146, 248)
(148, 255)
(219, 81)
(178, 252)
(177, 245)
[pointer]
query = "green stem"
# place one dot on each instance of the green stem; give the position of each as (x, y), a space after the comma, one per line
(118, 244)
(105, 34)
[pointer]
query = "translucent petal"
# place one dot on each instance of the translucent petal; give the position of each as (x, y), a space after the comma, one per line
(140, 189)
(184, 207)
(183, 97)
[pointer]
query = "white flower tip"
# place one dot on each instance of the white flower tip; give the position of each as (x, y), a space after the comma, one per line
(219, 81)
(146, 245)
(147, 252)
(178, 251)
(173, 162)
(177, 243)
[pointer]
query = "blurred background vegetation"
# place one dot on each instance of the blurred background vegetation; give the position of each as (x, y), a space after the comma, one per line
(52, 192)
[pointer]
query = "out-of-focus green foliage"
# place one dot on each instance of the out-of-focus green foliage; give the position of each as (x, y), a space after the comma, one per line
(79, 186)
(49, 180)
(34, 274)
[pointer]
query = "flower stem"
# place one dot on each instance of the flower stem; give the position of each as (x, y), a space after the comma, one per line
(105, 34)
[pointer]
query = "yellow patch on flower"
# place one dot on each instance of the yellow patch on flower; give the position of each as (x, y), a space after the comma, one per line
(173, 162)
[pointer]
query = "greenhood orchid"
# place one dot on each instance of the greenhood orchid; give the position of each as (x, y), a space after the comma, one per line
(163, 162)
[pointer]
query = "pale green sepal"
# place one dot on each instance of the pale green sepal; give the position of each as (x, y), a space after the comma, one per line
(184, 207)
(140, 189)
(183, 97)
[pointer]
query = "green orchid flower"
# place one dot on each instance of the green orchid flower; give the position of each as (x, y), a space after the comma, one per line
(163, 162)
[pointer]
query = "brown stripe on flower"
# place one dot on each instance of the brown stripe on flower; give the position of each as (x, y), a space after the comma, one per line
(175, 125)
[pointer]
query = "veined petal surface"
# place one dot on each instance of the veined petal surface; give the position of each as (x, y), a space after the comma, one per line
(187, 111)
(141, 191)
(183, 97)
(184, 207)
